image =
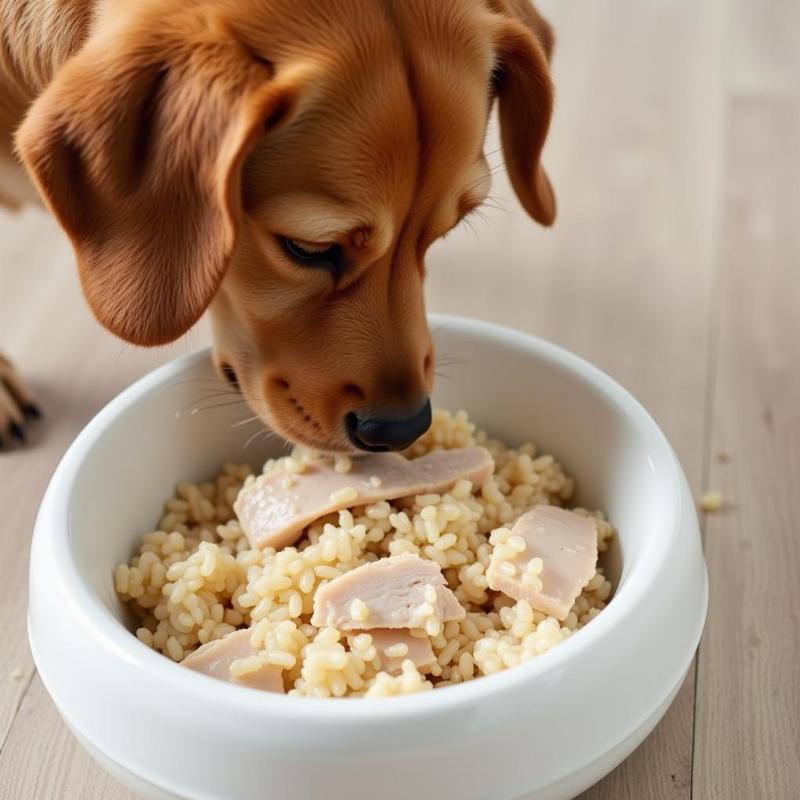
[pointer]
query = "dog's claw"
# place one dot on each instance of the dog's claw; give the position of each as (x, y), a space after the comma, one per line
(32, 411)
(17, 406)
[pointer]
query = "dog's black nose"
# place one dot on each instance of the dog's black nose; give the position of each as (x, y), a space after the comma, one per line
(376, 431)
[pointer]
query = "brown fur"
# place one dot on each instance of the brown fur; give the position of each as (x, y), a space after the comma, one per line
(179, 139)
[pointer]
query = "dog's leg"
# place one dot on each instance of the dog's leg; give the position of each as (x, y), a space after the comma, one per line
(17, 407)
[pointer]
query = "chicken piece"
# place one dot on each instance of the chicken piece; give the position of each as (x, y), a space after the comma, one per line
(274, 508)
(396, 592)
(395, 646)
(559, 559)
(215, 659)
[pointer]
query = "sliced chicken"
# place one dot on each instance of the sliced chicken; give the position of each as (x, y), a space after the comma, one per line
(396, 592)
(395, 646)
(565, 542)
(215, 659)
(274, 508)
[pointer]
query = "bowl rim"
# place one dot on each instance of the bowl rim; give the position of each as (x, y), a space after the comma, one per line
(112, 634)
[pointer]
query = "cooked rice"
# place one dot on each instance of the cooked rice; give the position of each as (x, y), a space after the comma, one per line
(712, 501)
(196, 578)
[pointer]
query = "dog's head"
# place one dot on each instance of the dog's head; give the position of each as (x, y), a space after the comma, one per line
(288, 164)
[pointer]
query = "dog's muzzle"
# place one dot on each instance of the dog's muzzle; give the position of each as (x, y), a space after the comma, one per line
(376, 431)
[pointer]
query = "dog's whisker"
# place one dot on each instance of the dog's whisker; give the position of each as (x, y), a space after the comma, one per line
(216, 382)
(476, 182)
(214, 393)
(261, 432)
(183, 409)
(237, 397)
(209, 379)
(268, 435)
(198, 409)
(221, 389)
(498, 170)
(223, 393)
(496, 204)
(481, 215)
(450, 362)
(468, 222)
(246, 421)
(493, 201)
(213, 396)
(493, 168)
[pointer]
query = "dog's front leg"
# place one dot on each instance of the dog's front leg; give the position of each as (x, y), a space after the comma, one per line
(17, 408)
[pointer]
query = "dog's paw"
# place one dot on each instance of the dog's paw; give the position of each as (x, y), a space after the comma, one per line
(17, 408)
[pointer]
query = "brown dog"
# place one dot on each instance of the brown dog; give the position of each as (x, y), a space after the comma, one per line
(285, 163)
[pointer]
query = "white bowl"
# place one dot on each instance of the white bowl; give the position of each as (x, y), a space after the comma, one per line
(546, 729)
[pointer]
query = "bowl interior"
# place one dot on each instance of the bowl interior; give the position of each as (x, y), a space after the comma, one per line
(517, 387)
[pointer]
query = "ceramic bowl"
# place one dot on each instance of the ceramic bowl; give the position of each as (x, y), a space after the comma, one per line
(546, 729)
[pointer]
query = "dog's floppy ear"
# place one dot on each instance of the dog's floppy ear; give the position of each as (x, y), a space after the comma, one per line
(525, 103)
(137, 149)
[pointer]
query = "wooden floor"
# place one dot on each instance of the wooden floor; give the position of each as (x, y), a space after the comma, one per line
(675, 266)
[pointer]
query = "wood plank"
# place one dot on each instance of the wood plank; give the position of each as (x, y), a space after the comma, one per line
(748, 703)
(29, 247)
(57, 767)
(624, 278)
(75, 368)
(764, 56)
(748, 696)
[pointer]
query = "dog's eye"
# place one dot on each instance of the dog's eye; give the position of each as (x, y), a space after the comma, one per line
(314, 254)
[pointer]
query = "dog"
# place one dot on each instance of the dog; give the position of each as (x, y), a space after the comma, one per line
(284, 164)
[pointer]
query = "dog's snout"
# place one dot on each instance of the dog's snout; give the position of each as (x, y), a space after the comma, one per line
(376, 431)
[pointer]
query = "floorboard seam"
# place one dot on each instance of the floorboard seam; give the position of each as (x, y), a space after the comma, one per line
(14, 715)
(713, 338)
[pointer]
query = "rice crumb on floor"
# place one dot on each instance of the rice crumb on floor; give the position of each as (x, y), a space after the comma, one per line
(712, 501)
